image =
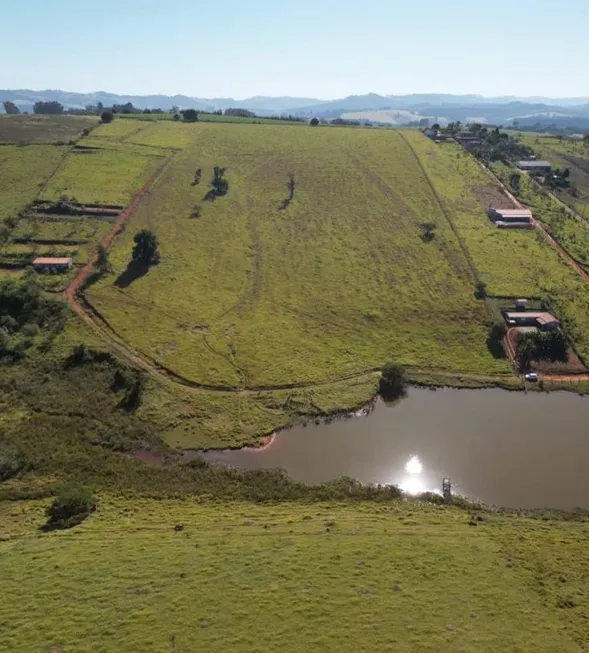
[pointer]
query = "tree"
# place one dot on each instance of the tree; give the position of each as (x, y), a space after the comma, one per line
(176, 117)
(190, 115)
(314, 122)
(106, 116)
(102, 260)
(145, 250)
(11, 108)
(219, 183)
(392, 382)
(70, 507)
(47, 107)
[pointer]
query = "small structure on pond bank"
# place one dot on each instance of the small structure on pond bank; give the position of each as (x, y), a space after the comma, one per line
(45, 263)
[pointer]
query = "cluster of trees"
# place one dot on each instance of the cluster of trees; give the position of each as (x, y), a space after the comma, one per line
(24, 312)
(556, 180)
(48, 107)
(541, 345)
(241, 113)
(496, 145)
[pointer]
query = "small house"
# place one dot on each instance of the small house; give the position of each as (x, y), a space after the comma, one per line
(541, 319)
(50, 264)
(534, 165)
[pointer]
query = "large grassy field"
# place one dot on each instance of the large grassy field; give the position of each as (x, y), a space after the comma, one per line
(292, 577)
(338, 282)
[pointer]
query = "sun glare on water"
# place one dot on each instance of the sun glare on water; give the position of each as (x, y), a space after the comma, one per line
(413, 484)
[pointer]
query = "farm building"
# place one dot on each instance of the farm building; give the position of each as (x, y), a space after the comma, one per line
(532, 164)
(540, 319)
(511, 218)
(46, 263)
(468, 140)
(510, 215)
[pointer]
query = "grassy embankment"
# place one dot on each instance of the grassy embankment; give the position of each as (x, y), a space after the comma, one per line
(291, 577)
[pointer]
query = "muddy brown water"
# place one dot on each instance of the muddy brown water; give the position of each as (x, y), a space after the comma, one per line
(505, 448)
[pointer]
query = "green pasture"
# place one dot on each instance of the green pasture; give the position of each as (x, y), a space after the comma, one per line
(339, 282)
(100, 176)
(291, 577)
(23, 172)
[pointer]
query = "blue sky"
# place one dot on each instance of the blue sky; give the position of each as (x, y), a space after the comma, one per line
(306, 48)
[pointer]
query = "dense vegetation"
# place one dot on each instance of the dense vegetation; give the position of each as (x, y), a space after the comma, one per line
(541, 345)
(26, 313)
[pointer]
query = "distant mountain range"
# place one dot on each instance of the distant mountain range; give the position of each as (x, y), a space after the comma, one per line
(371, 107)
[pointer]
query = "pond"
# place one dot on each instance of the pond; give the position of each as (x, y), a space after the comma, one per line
(505, 448)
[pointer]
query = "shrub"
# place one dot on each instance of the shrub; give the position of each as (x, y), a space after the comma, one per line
(106, 116)
(70, 507)
(314, 122)
(392, 382)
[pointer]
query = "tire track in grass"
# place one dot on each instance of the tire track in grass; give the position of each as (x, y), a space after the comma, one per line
(467, 256)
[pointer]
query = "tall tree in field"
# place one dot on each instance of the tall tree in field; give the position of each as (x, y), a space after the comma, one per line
(11, 108)
(145, 250)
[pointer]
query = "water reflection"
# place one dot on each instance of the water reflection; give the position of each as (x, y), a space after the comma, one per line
(414, 482)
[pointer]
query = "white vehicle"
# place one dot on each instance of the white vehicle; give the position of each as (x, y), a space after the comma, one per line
(531, 376)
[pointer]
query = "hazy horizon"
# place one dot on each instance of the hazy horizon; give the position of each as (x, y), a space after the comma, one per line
(314, 50)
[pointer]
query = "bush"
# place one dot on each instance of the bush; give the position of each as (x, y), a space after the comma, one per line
(70, 507)
(314, 122)
(106, 116)
(392, 382)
